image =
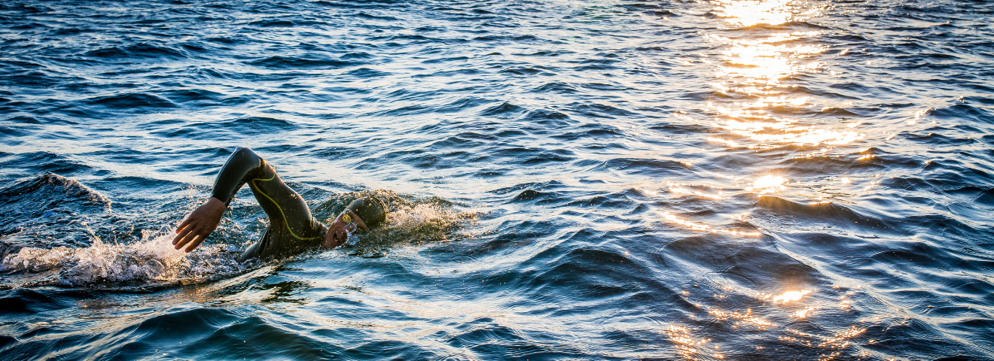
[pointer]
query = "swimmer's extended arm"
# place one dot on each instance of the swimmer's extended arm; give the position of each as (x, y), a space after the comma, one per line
(243, 165)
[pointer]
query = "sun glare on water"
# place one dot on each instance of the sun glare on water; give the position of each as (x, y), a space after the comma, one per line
(760, 67)
(749, 13)
(791, 296)
(768, 184)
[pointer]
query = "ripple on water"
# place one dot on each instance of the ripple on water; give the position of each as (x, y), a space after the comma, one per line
(138, 50)
(701, 180)
(132, 100)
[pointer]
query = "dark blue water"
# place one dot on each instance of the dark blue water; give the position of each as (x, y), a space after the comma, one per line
(567, 180)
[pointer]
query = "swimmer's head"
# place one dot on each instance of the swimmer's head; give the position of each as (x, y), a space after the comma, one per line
(371, 210)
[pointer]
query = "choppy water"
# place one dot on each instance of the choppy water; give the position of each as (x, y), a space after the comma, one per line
(576, 179)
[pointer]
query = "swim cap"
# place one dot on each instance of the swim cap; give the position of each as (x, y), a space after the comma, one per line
(371, 210)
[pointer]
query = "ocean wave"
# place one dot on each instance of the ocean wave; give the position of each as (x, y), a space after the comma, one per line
(138, 50)
(503, 109)
(132, 100)
(47, 199)
(640, 180)
(836, 215)
(307, 61)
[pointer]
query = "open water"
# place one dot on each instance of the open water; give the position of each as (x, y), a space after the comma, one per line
(726, 179)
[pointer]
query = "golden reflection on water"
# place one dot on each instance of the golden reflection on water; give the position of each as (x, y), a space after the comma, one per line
(756, 106)
(791, 296)
(690, 190)
(762, 63)
(791, 303)
(687, 345)
(703, 227)
(743, 318)
(755, 65)
(749, 13)
(756, 110)
(803, 313)
(768, 184)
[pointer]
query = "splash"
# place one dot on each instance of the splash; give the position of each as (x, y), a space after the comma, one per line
(150, 262)
(422, 216)
(420, 223)
(410, 220)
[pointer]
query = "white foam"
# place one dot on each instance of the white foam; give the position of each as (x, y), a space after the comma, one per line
(152, 260)
(417, 223)
(411, 217)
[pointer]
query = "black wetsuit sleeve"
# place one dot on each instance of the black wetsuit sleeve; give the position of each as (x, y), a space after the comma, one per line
(242, 166)
(292, 229)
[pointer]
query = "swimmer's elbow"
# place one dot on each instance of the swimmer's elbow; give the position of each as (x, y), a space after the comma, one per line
(245, 158)
(245, 155)
(241, 166)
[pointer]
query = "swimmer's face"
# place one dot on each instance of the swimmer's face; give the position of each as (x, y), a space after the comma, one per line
(339, 229)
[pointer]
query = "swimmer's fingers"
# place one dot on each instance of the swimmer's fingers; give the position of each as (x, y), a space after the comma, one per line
(184, 237)
(179, 237)
(196, 241)
(193, 235)
(187, 232)
(186, 222)
(182, 230)
(199, 224)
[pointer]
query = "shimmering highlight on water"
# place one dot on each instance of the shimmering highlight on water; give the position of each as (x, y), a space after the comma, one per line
(728, 179)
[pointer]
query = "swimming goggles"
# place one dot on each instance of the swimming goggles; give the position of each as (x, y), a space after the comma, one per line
(350, 226)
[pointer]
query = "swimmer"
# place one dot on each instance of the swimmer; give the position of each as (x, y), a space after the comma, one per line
(292, 229)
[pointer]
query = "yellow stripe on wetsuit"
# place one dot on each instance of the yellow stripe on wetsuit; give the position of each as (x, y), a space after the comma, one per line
(285, 221)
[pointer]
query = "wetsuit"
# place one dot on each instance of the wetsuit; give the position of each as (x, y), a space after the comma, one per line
(292, 229)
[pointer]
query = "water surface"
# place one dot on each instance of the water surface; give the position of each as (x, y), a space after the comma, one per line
(719, 179)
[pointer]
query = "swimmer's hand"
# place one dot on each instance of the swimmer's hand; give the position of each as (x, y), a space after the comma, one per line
(199, 224)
